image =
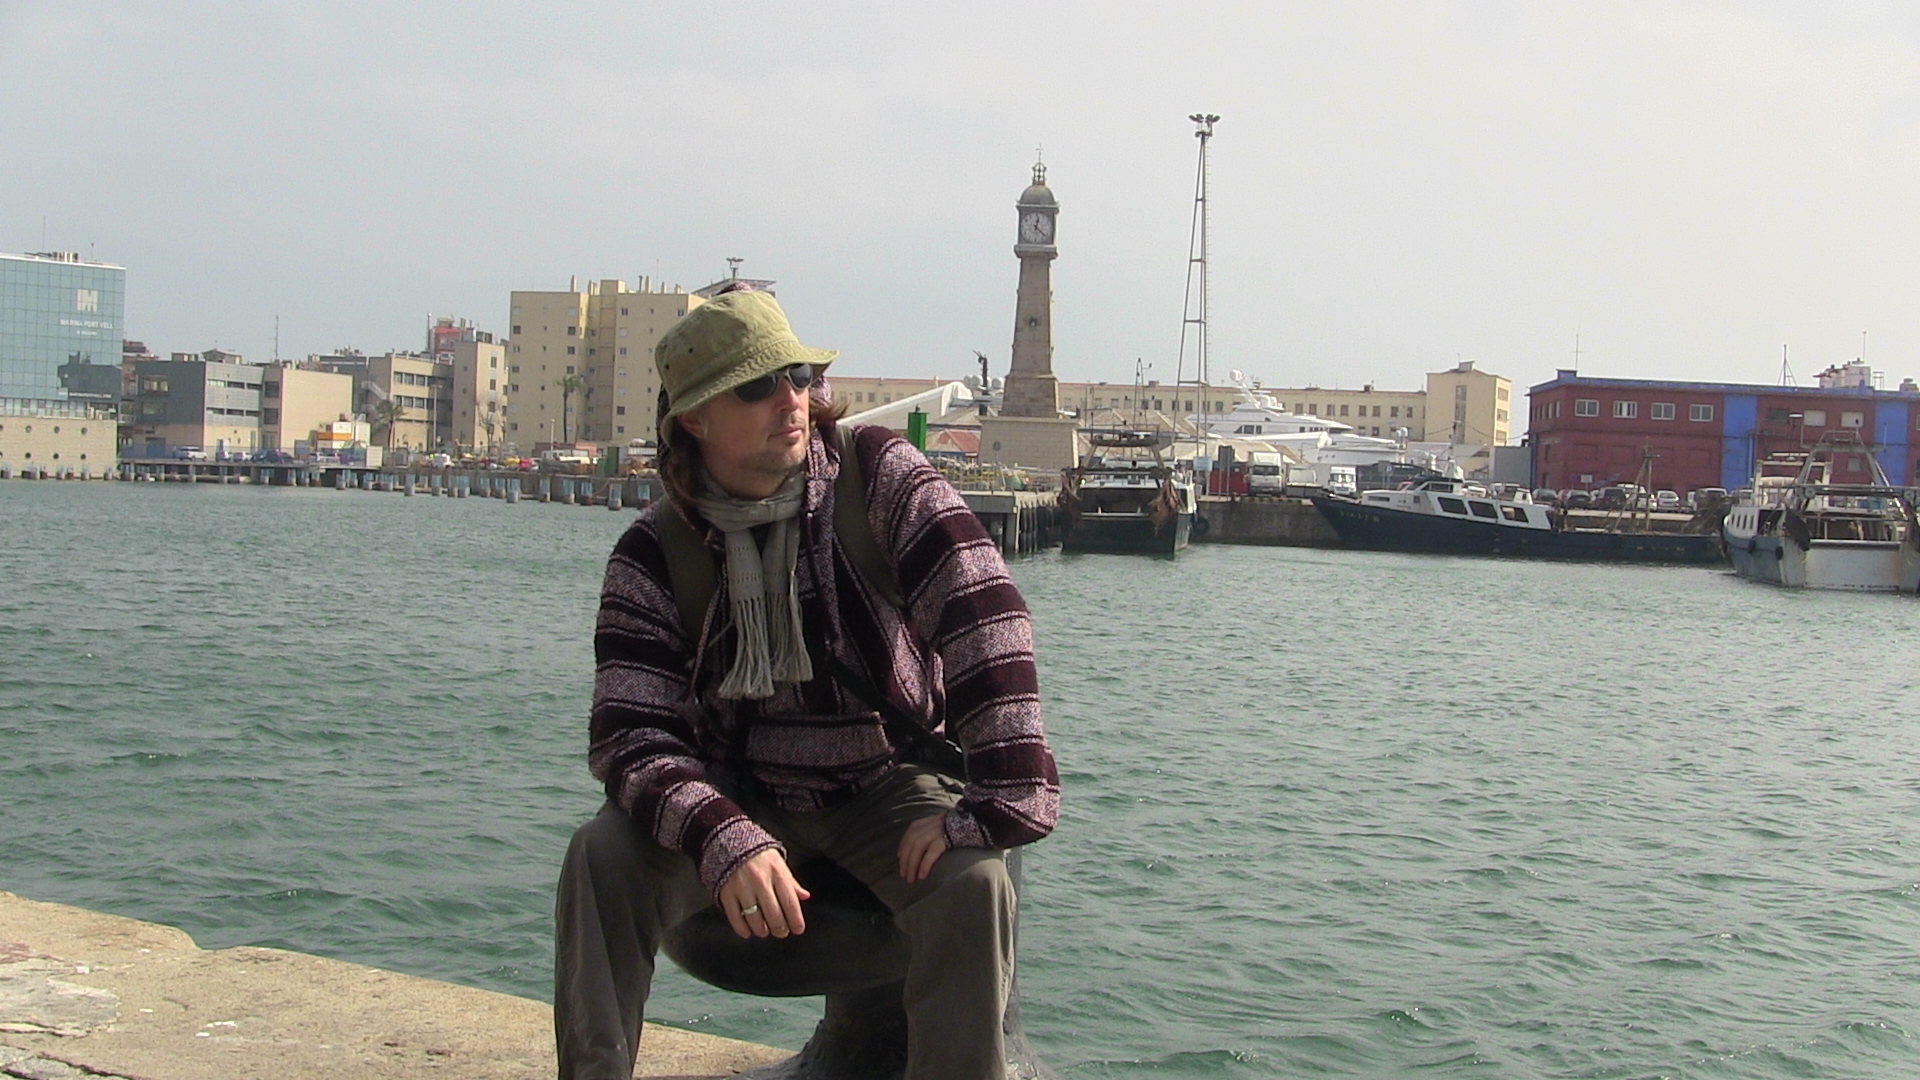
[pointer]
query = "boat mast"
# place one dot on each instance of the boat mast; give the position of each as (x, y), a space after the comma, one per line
(1194, 311)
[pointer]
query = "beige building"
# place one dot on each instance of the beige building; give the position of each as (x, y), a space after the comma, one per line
(1365, 408)
(294, 401)
(1371, 412)
(604, 338)
(424, 390)
(479, 370)
(1462, 405)
(1470, 407)
(59, 436)
(860, 393)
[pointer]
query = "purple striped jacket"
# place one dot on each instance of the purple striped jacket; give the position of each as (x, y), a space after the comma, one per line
(962, 650)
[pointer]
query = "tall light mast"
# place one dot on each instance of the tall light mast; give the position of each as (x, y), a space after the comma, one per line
(1194, 312)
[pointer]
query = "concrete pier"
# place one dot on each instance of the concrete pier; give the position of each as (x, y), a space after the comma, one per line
(1019, 521)
(1263, 521)
(86, 995)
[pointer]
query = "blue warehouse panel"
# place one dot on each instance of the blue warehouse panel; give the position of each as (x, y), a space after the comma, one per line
(1891, 425)
(1742, 416)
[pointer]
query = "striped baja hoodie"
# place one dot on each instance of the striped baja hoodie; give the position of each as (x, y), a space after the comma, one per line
(960, 654)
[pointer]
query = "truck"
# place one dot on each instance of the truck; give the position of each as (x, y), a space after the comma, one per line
(573, 461)
(1266, 472)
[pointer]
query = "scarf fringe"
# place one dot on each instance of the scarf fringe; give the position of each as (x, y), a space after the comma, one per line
(764, 592)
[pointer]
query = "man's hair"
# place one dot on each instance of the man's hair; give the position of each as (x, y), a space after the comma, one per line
(679, 455)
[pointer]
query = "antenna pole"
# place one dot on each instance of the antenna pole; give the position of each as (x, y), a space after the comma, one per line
(1195, 310)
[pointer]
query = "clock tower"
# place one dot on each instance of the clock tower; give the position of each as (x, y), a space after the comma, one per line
(1030, 431)
(1032, 389)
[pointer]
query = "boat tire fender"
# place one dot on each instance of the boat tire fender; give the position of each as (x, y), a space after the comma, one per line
(1753, 544)
(1200, 525)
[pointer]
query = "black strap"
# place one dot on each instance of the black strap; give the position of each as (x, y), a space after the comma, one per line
(855, 529)
(938, 753)
(694, 580)
(689, 569)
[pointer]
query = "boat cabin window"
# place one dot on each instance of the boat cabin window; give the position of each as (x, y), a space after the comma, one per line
(1452, 506)
(1484, 510)
(1514, 513)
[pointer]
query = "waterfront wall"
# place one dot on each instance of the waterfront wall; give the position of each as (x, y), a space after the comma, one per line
(55, 438)
(1263, 521)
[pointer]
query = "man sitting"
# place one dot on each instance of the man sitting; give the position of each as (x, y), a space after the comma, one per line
(776, 733)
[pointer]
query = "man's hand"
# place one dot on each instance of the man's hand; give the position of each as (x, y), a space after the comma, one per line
(922, 846)
(762, 898)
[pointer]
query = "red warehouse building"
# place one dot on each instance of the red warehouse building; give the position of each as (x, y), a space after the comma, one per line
(1586, 432)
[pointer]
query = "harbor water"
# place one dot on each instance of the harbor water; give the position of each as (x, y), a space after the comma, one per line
(1326, 813)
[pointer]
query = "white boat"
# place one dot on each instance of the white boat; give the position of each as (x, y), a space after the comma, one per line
(1798, 527)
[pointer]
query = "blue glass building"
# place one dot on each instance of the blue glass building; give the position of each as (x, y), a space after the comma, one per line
(59, 317)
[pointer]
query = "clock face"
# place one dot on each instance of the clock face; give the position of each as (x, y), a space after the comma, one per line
(1036, 228)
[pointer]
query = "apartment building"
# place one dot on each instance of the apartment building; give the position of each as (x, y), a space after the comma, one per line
(423, 388)
(1469, 406)
(580, 362)
(479, 370)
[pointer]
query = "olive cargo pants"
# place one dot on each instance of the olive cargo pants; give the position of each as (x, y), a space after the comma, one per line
(620, 891)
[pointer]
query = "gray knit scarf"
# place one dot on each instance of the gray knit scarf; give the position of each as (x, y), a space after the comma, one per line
(762, 587)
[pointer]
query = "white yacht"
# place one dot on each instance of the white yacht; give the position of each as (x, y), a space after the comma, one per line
(1320, 441)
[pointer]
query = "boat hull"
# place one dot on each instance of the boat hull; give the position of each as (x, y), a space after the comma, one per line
(1127, 533)
(1377, 528)
(1838, 565)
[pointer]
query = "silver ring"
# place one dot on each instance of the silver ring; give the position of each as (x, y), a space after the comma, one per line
(749, 910)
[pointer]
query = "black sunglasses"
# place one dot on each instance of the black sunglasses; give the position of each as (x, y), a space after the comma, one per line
(760, 389)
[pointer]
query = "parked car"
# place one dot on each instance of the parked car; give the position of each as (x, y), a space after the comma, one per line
(1667, 502)
(1707, 498)
(272, 457)
(189, 453)
(1575, 499)
(1546, 496)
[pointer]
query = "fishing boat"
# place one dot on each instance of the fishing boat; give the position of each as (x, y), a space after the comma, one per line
(1798, 527)
(1456, 517)
(1125, 497)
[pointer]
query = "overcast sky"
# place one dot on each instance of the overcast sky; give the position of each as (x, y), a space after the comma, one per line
(1687, 186)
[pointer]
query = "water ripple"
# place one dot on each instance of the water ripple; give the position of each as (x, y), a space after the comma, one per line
(1326, 814)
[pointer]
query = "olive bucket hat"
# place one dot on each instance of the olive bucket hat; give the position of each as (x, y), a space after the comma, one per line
(729, 340)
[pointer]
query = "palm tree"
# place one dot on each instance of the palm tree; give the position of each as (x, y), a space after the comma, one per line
(569, 386)
(388, 414)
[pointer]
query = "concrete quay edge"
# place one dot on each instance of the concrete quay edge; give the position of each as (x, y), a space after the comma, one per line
(83, 994)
